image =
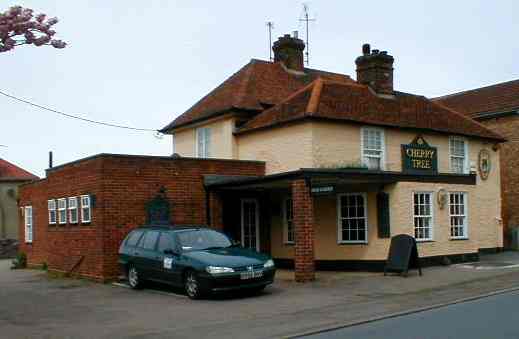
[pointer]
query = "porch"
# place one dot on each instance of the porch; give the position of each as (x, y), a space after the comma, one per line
(290, 214)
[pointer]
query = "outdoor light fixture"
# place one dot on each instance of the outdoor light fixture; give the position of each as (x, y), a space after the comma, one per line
(442, 197)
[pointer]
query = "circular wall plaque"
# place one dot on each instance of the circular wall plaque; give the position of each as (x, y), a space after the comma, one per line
(484, 164)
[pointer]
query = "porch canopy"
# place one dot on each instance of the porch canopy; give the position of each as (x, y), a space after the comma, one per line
(304, 184)
(321, 176)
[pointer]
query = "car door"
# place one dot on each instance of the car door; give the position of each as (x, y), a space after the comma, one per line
(147, 258)
(171, 271)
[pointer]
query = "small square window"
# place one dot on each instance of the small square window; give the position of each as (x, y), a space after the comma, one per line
(52, 211)
(86, 213)
(62, 211)
(72, 210)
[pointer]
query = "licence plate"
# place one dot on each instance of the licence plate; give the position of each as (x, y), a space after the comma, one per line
(251, 275)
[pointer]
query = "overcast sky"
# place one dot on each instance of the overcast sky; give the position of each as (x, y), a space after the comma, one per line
(142, 63)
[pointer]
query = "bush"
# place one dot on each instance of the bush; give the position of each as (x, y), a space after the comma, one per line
(44, 266)
(20, 261)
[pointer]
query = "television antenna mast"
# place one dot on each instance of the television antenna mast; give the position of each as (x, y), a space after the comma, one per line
(306, 19)
(270, 26)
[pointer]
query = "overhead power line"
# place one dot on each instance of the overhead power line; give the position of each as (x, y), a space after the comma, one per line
(72, 116)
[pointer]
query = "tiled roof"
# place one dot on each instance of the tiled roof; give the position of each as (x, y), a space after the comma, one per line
(490, 99)
(332, 100)
(11, 172)
(257, 85)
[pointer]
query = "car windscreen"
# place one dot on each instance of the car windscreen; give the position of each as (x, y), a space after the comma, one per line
(202, 239)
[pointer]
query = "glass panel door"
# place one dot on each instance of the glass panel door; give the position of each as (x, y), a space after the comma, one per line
(250, 224)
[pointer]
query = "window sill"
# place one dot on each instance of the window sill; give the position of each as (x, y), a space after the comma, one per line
(352, 243)
(424, 241)
(458, 239)
(286, 243)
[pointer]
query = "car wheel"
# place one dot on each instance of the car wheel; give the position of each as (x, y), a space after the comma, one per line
(134, 279)
(192, 285)
(259, 289)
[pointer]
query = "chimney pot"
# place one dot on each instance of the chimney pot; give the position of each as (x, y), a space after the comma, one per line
(289, 51)
(366, 49)
(375, 69)
(296, 34)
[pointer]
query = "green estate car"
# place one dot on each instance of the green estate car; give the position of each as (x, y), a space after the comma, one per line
(199, 259)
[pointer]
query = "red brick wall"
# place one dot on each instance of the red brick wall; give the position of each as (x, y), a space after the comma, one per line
(303, 218)
(122, 185)
(509, 128)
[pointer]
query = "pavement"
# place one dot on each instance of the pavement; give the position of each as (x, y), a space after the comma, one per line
(34, 305)
(491, 317)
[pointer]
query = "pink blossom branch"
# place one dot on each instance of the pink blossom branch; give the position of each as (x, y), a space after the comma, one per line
(21, 23)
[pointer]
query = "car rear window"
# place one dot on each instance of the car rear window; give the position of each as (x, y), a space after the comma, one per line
(133, 238)
(149, 239)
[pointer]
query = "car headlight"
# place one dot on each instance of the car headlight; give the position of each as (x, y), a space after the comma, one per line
(218, 269)
(269, 263)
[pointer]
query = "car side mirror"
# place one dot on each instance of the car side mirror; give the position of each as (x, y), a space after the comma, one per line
(236, 243)
(170, 251)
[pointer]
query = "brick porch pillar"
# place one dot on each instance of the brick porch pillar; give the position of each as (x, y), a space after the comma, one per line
(303, 218)
(215, 211)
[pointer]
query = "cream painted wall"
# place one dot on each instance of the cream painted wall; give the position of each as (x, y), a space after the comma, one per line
(8, 210)
(484, 228)
(222, 144)
(284, 149)
(484, 202)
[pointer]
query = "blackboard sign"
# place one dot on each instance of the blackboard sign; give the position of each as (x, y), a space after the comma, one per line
(419, 158)
(403, 255)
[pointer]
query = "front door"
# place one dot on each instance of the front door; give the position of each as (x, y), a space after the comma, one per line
(250, 224)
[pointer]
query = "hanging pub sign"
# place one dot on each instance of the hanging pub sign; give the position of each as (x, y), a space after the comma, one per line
(419, 158)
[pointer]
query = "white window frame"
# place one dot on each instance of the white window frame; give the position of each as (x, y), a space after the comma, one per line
(205, 134)
(382, 144)
(340, 239)
(86, 206)
(465, 215)
(431, 216)
(73, 207)
(173, 145)
(51, 206)
(466, 161)
(286, 220)
(28, 223)
(60, 209)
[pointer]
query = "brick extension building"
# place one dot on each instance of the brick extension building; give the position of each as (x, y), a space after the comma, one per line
(497, 107)
(109, 193)
(322, 170)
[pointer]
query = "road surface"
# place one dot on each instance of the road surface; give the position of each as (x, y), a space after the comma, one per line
(495, 317)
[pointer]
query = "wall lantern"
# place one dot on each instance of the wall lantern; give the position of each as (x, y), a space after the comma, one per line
(441, 197)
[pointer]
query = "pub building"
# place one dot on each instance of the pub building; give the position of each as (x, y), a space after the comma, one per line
(313, 167)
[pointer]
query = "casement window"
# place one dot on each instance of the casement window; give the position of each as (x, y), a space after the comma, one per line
(288, 223)
(173, 144)
(423, 215)
(458, 215)
(458, 152)
(72, 210)
(352, 218)
(203, 142)
(86, 211)
(62, 211)
(51, 204)
(28, 223)
(373, 148)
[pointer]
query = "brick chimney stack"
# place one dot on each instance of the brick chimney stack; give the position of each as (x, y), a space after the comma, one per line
(375, 69)
(289, 50)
